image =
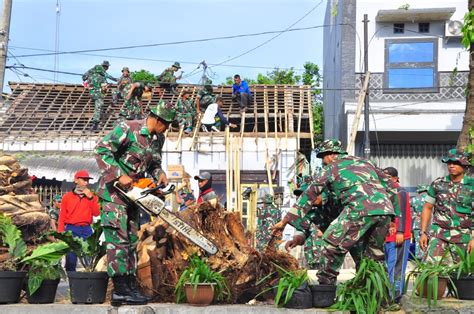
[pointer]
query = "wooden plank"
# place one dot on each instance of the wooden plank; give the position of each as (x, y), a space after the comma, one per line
(310, 114)
(300, 112)
(355, 123)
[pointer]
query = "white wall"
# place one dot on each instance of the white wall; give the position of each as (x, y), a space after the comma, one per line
(447, 53)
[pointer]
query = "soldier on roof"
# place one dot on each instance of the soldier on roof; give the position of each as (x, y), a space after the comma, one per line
(96, 79)
(167, 79)
(123, 82)
(132, 108)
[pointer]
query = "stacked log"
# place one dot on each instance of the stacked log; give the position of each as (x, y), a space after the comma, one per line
(164, 253)
(18, 201)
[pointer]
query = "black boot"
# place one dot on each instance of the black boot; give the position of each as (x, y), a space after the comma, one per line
(122, 293)
(132, 283)
(95, 126)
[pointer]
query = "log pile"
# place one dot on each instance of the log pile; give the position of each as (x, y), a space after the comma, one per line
(163, 255)
(18, 201)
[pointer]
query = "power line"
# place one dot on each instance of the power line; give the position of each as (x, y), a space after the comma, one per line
(162, 60)
(277, 35)
(177, 42)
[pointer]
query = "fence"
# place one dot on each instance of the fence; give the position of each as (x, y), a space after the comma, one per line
(47, 193)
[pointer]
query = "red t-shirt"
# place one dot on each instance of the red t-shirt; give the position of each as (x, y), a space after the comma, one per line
(405, 219)
(77, 210)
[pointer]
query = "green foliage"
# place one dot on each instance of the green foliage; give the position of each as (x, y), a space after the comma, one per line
(469, 147)
(88, 251)
(468, 29)
(289, 281)
(466, 266)
(11, 237)
(199, 272)
(406, 6)
(143, 76)
(230, 80)
(41, 270)
(426, 273)
(368, 291)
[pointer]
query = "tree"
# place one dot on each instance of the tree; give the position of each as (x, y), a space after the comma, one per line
(143, 76)
(468, 41)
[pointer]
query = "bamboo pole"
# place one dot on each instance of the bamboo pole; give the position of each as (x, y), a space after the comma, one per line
(311, 120)
(196, 130)
(355, 123)
(228, 167)
(242, 128)
(285, 102)
(267, 154)
(231, 173)
(300, 112)
(181, 130)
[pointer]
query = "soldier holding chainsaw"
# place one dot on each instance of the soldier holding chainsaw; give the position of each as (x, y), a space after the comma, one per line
(128, 153)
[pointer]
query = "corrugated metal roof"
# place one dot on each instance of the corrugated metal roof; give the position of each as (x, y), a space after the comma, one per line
(61, 167)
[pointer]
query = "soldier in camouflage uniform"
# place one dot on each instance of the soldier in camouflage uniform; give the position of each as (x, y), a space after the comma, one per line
(167, 79)
(185, 112)
(53, 212)
(367, 210)
(132, 109)
(449, 202)
(96, 78)
(416, 204)
(204, 98)
(123, 86)
(267, 215)
(129, 152)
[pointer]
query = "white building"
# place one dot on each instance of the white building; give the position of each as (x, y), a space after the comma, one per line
(417, 85)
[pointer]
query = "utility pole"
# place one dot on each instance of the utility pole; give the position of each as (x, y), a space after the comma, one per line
(4, 31)
(366, 102)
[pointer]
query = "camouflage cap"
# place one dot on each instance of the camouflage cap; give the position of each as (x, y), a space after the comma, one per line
(125, 69)
(176, 65)
(330, 146)
(268, 199)
(457, 155)
(421, 188)
(165, 111)
(105, 63)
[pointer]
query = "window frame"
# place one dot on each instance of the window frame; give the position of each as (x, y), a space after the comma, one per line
(428, 26)
(411, 65)
(399, 28)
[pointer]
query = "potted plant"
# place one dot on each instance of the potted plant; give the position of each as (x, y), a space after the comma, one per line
(464, 276)
(18, 259)
(368, 291)
(89, 286)
(292, 290)
(200, 285)
(431, 279)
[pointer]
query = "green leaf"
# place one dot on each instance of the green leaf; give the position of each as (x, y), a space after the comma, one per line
(34, 282)
(50, 252)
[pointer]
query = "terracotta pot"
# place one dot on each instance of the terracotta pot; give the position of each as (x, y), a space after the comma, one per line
(202, 295)
(442, 284)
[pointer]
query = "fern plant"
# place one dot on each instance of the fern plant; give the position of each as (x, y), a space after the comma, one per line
(11, 237)
(199, 272)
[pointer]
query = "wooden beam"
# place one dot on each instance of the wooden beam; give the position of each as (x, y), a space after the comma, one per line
(355, 123)
(311, 120)
(181, 131)
(300, 112)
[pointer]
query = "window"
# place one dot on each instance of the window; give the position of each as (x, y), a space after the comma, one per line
(411, 64)
(398, 28)
(424, 27)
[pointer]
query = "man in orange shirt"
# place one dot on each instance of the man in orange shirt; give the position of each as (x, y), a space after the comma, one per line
(77, 209)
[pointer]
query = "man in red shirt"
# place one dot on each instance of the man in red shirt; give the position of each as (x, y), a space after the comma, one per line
(77, 209)
(397, 242)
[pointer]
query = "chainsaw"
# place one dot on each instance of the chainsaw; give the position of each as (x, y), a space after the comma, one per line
(146, 201)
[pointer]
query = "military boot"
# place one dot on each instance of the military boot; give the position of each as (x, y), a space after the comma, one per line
(122, 293)
(132, 283)
(95, 126)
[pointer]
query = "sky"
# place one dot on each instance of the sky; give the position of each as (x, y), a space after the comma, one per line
(96, 24)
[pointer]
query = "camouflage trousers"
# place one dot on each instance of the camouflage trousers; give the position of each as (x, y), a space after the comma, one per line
(98, 99)
(419, 253)
(131, 108)
(185, 120)
(120, 230)
(437, 248)
(312, 250)
(368, 233)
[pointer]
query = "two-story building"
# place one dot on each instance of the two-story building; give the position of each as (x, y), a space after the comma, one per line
(417, 84)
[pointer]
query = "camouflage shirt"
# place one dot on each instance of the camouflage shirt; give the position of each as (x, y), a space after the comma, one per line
(206, 98)
(185, 107)
(97, 76)
(123, 81)
(131, 150)
(167, 76)
(452, 208)
(416, 204)
(361, 188)
(53, 212)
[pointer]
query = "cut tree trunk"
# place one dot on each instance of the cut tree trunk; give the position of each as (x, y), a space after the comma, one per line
(241, 265)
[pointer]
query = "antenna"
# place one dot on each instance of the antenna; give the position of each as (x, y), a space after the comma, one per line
(56, 40)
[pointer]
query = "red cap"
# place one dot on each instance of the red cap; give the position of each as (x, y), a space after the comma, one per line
(82, 174)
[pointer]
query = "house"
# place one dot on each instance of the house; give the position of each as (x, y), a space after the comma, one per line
(47, 127)
(417, 83)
